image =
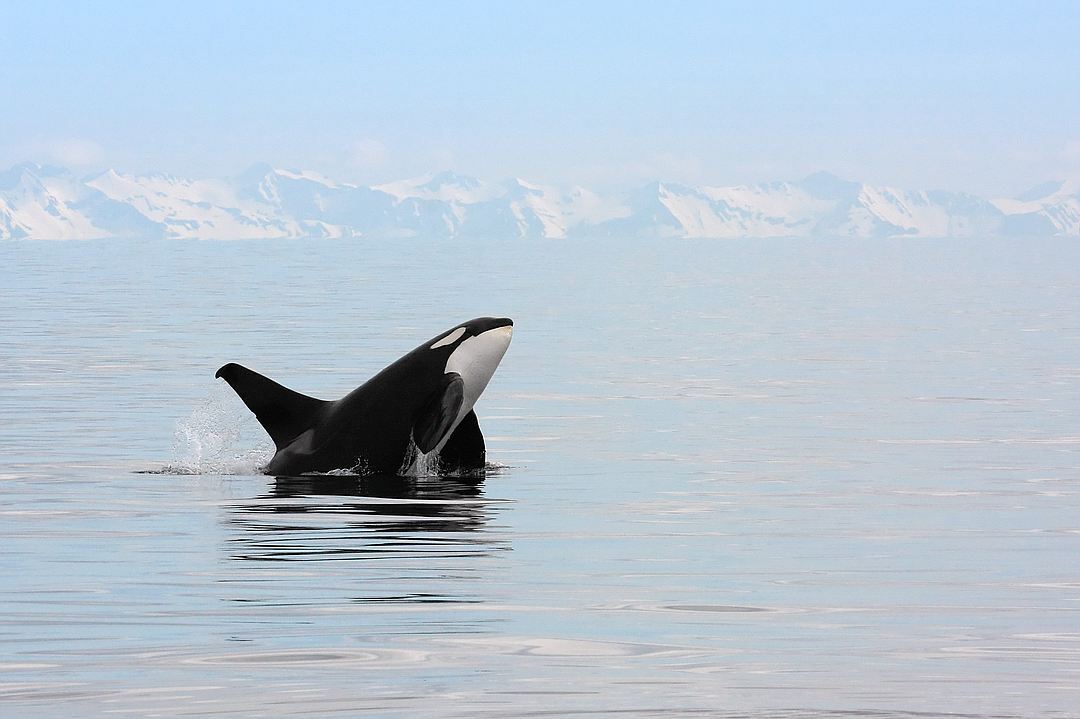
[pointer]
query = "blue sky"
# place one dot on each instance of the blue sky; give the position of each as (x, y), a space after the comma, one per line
(974, 96)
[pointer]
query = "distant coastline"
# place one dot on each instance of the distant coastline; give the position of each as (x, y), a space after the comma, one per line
(46, 202)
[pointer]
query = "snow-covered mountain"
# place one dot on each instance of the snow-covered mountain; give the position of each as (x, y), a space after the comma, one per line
(48, 202)
(51, 203)
(1052, 208)
(820, 205)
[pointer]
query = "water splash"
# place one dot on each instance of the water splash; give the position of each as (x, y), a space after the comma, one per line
(418, 464)
(220, 436)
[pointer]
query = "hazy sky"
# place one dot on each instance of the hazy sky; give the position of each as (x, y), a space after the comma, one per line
(978, 96)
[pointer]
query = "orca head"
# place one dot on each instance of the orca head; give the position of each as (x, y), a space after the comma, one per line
(474, 349)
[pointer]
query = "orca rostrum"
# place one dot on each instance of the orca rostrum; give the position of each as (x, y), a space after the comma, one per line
(422, 404)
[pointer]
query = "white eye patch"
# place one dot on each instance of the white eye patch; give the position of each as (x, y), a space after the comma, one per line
(448, 339)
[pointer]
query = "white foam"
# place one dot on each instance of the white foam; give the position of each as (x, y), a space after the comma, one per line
(214, 439)
(418, 464)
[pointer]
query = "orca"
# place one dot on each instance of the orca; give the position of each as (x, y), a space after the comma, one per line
(422, 404)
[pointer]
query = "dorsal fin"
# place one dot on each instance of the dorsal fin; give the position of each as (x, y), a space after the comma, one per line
(284, 414)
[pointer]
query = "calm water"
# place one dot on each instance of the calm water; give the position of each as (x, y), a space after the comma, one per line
(760, 479)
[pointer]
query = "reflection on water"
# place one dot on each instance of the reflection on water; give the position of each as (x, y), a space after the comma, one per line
(392, 486)
(409, 527)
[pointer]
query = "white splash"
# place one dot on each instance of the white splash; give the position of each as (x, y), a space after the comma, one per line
(212, 438)
(417, 464)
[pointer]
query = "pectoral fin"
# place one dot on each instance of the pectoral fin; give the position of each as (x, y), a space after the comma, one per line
(439, 413)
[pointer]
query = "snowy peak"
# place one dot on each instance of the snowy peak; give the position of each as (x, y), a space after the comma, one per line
(442, 187)
(50, 203)
(1052, 208)
(266, 202)
(22, 174)
(1050, 191)
(827, 186)
(203, 209)
(821, 205)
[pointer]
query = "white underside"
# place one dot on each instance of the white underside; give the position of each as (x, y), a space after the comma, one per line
(475, 360)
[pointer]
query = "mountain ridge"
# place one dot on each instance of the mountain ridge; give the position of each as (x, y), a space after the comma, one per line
(263, 202)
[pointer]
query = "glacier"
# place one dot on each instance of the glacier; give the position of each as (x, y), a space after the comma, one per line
(53, 203)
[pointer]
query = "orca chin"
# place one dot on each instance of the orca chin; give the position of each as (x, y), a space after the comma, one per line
(422, 403)
(476, 359)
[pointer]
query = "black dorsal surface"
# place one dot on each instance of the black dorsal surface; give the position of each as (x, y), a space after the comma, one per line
(284, 414)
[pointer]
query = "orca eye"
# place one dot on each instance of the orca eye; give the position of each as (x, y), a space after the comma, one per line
(448, 339)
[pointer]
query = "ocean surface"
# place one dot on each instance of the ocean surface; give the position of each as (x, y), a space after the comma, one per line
(730, 479)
